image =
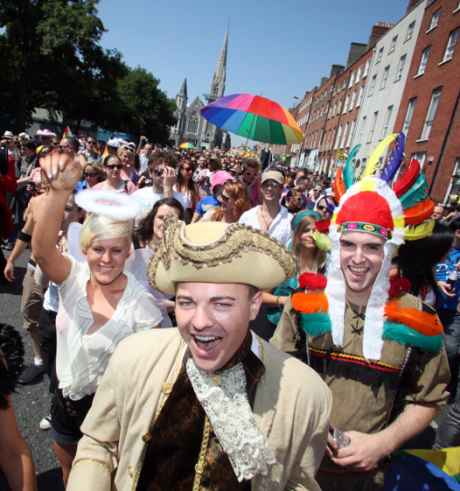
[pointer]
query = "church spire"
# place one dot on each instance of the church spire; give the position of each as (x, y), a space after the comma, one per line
(220, 75)
(183, 89)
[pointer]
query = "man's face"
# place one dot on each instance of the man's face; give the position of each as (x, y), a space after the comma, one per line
(361, 258)
(271, 191)
(213, 319)
(438, 213)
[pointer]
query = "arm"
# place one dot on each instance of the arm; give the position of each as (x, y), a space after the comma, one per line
(63, 172)
(365, 451)
(15, 458)
(18, 249)
(169, 179)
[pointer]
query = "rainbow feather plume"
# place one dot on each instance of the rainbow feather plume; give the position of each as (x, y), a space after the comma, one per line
(417, 192)
(348, 170)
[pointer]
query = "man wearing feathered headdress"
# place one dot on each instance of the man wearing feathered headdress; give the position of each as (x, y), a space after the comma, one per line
(379, 349)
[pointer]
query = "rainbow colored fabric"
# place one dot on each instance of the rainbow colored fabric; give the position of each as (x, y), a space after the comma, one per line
(254, 117)
(422, 470)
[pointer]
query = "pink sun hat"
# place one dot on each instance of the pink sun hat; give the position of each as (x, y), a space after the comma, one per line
(219, 178)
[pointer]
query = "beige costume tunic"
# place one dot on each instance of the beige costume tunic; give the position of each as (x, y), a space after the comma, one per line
(367, 396)
(292, 407)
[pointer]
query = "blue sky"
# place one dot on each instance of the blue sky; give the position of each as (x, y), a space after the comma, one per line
(277, 49)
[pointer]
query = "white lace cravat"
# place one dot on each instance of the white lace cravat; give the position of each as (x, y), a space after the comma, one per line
(227, 407)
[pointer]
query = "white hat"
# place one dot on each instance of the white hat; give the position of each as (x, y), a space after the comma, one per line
(113, 142)
(24, 136)
(46, 132)
(8, 134)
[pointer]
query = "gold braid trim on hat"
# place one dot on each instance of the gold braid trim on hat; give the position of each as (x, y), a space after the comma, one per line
(235, 241)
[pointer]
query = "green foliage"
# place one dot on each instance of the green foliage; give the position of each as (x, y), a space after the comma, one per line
(51, 57)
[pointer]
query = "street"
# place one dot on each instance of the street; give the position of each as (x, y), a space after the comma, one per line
(31, 402)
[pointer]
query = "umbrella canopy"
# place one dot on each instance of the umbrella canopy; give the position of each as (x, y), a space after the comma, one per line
(186, 145)
(253, 117)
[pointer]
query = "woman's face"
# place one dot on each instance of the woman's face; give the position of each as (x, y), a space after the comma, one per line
(294, 203)
(306, 234)
(163, 212)
(106, 258)
(113, 169)
(186, 171)
(228, 203)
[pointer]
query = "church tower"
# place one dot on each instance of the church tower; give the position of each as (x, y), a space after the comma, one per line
(181, 104)
(211, 135)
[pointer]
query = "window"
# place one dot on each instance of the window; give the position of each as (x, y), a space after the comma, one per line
(366, 68)
(353, 100)
(431, 114)
(400, 70)
(420, 156)
(409, 114)
(386, 124)
(350, 134)
(451, 43)
(352, 80)
(423, 61)
(344, 136)
(338, 137)
(410, 30)
(360, 96)
(393, 44)
(362, 129)
(379, 55)
(358, 74)
(345, 106)
(434, 20)
(386, 74)
(372, 85)
(372, 128)
(454, 186)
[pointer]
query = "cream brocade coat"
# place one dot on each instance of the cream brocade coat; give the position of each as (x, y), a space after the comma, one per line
(292, 408)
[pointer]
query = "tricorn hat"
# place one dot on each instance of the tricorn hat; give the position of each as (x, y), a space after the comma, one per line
(217, 252)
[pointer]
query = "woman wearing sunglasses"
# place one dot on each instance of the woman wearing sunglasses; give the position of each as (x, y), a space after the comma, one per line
(113, 180)
(234, 202)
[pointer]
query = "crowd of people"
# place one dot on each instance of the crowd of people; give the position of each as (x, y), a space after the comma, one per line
(318, 320)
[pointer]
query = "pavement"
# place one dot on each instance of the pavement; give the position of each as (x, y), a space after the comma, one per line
(30, 402)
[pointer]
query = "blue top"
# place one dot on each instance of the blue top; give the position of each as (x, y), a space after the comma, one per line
(442, 272)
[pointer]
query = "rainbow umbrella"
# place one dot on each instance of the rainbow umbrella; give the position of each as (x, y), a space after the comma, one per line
(186, 145)
(253, 117)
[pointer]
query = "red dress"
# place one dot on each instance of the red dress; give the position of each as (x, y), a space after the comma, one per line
(7, 185)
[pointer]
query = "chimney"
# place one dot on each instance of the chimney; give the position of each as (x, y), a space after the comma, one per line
(323, 81)
(356, 51)
(336, 69)
(411, 5)
(378, 30)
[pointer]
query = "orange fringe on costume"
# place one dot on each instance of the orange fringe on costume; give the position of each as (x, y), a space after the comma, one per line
(423, 322)
(418, 213)
(310, 303)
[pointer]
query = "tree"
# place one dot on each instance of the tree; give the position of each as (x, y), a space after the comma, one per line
(147, 109)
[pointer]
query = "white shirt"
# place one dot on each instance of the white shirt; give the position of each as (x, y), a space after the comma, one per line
(147, 197)
(280, 228)
(81, 359)
(138, 266)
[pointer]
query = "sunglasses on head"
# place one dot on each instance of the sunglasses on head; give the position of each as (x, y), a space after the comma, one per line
(114, 167)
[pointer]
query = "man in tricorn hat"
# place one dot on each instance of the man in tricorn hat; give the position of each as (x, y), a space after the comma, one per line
(209, 405)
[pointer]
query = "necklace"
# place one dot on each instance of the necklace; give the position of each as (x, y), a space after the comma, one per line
(200, 465)
(266, 220)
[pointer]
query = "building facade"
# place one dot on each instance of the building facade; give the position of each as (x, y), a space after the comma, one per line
(389, 68)
(429, 113)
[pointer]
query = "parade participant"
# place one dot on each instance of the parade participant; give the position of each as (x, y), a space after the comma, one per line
(7, 185)
(234, 202)
(250, 178)
(161, 167)
(294, 200)
(15, 458)
(218, 179)
(270, 216)
(187, 187)
(114, 180)
(230, 411)
(127, 156)
(99, 304)
(379, 349)
(150, 234)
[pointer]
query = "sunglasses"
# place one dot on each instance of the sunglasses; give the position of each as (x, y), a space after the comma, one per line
(224, 198)
(91, 174)
(321, 208)
(158, 172)
(114, 167)
(187, 169)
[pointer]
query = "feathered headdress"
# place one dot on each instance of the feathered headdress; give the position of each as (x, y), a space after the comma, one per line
(396, 212)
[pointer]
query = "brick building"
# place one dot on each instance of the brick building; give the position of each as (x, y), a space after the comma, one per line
(429, 113)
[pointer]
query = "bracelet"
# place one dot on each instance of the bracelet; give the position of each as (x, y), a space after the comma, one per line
(278, 301)
(24, 237)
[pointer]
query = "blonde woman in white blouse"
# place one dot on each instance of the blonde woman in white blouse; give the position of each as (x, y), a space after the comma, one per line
(99, 304)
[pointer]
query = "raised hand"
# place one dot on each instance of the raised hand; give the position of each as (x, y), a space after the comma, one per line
(62, 170)
(169, 177)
